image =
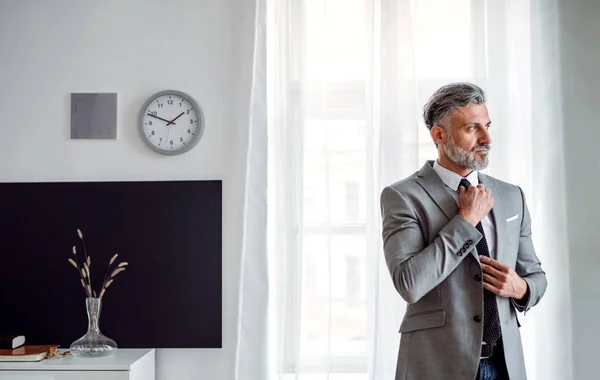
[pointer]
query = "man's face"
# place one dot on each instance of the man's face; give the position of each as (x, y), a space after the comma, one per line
(468, 141)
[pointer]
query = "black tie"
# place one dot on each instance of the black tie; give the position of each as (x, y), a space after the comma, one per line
(491, 319)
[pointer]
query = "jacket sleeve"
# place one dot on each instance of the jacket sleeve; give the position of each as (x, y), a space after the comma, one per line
(528, 265)
(417, 267)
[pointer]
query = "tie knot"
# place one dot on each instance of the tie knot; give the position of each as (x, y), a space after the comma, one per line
(464, 182)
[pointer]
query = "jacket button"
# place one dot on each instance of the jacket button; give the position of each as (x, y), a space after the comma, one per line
(470, 242)
(477, 278)
(459, 254)
(477, 318)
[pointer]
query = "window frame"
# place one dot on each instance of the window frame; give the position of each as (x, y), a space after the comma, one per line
(297, 112)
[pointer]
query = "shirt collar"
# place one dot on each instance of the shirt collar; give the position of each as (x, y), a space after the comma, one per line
(451, 179)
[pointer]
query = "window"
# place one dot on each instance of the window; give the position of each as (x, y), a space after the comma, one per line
(330, 63)
(352, 200)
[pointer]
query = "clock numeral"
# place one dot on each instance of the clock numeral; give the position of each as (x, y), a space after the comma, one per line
(181, 139)
(191, 121)
(154, 113)
(187, 111)
(179, 104)
(171, 142)
(160, 105)
(151, 134)
(169, 102)
(150, 122)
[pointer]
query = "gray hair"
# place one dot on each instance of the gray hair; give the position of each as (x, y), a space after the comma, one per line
(448, 98)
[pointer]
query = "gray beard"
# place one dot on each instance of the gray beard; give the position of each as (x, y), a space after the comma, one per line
(466, 159)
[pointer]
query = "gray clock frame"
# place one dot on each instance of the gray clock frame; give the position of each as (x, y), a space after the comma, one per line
(196, 138)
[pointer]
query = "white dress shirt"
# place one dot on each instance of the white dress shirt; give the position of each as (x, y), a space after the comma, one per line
(452, 180)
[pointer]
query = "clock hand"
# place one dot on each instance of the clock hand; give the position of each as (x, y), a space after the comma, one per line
(172, 121)
(164, 137)
(160, 118)
(167, 140)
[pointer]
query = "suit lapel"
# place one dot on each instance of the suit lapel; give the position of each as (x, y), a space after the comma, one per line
(498, 213)
(436, 188)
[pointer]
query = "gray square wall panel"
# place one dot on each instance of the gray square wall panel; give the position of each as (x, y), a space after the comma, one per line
(93, 116)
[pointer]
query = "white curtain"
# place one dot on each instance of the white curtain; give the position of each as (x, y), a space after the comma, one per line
(345, 82)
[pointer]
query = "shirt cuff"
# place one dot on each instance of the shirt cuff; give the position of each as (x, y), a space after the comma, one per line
(521, 305)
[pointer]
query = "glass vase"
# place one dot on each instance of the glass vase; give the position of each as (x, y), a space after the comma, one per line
(93, 344)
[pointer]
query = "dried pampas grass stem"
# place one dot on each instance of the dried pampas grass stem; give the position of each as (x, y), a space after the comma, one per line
(84, 270)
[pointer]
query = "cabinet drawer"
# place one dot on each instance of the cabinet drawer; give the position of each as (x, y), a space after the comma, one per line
(64, 375)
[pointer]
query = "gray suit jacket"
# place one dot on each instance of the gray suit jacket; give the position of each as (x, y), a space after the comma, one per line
(431, 255)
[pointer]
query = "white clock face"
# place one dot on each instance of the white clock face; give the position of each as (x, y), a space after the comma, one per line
(171, 123)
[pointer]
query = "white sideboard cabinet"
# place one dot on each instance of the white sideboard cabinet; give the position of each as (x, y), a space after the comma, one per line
(125, 364)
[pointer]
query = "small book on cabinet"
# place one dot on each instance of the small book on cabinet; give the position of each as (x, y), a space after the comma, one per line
(25, 354)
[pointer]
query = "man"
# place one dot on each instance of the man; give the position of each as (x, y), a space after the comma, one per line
(458, 247)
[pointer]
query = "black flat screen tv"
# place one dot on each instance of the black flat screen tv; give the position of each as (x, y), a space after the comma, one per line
(169, 233)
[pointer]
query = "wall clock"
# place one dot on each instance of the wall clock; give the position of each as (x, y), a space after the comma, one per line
(171, 122)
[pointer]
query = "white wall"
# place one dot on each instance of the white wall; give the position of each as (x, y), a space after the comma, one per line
(49, 49)
(580, 61)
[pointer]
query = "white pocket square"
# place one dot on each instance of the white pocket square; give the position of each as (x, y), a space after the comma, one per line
(512, 218)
